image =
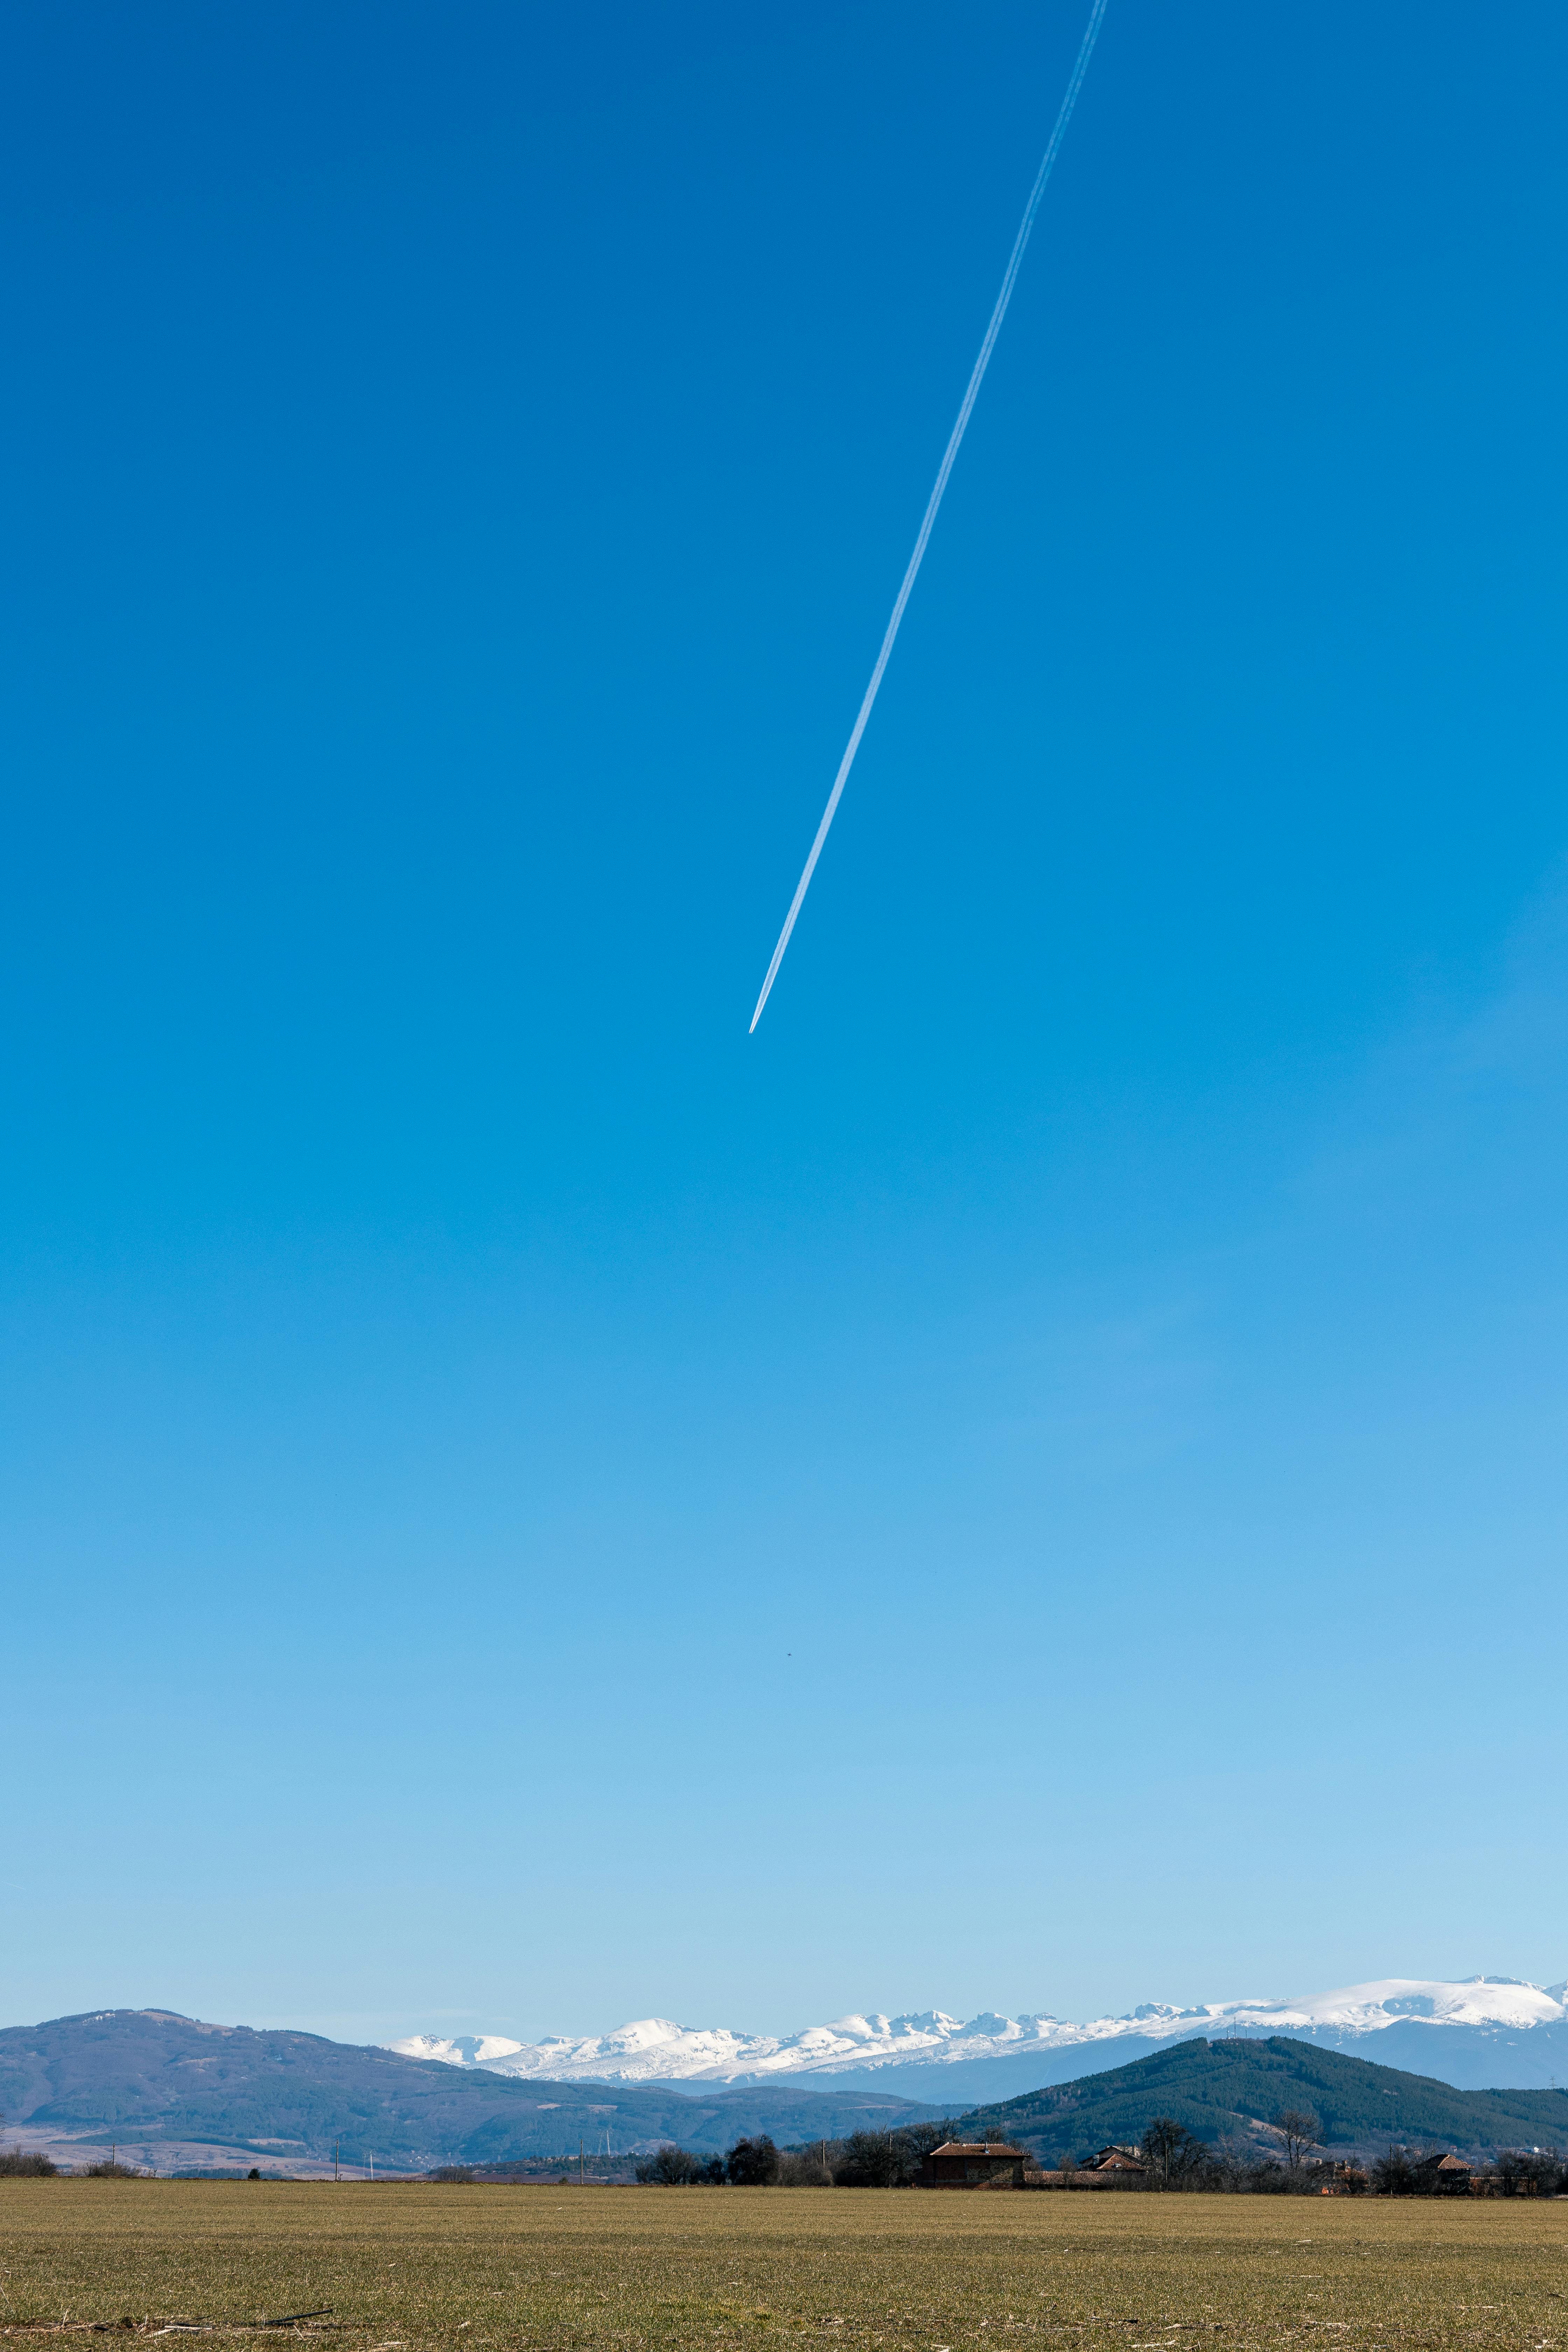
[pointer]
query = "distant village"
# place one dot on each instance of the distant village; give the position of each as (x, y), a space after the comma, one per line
(1167, 2157)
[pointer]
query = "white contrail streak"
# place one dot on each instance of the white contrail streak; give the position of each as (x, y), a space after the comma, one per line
(955, 440)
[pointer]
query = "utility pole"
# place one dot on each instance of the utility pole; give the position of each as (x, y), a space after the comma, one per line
(580, 2178)
(337, 2148)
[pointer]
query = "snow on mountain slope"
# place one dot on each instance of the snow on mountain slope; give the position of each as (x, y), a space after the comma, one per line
(463, 2050)
(654, 2050)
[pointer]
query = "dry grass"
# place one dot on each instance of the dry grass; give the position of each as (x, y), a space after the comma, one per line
(409, 2268)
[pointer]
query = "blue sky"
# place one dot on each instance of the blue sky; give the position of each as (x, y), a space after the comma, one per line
(1037, 1481)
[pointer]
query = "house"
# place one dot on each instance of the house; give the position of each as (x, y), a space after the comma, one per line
(1447, 2175)
(1116, 2160)
(973, 2164)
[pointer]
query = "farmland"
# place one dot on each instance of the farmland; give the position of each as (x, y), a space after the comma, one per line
(403, 2268)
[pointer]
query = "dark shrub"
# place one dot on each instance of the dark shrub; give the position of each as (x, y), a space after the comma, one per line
(452, 2172)
(671, 2168)
(753, 2163)
(872, 2160)
(25, 2164)
(1269, 2178)
(1534, 2172)
(1393, 2174)
(110, 2171)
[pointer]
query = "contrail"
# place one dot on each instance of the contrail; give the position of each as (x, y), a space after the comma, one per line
(955, 439)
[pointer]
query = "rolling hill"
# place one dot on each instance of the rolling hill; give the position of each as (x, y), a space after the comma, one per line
(1213, 2088)
(150, 2078)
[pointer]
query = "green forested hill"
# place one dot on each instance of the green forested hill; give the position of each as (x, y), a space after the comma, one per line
(1215, 2087)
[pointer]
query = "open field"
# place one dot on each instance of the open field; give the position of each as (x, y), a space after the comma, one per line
(407, 2268)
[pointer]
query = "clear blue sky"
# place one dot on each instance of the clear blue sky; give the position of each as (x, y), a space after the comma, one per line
(1040, 1479)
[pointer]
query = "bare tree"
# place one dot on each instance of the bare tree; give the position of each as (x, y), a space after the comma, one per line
(1231, 2159)
(1171, 2153)
(1298, 2131)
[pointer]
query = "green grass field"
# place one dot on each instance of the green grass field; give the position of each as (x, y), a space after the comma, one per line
(407, 2268)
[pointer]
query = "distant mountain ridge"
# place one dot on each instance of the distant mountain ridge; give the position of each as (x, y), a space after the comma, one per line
(1478, 2031)
(164, 2087)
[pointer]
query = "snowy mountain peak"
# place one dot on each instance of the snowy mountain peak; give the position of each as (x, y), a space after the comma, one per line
(656, 2050)
(460, 2049)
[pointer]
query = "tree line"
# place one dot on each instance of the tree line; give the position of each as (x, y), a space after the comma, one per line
(1288, 2162)
(865, 2160)
(29, 2164)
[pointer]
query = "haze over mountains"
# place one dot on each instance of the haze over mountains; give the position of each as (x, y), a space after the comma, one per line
(177, 2092)
(1481, 2031)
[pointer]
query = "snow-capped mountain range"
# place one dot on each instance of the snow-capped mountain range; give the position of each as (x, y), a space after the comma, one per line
(1486, 2030)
